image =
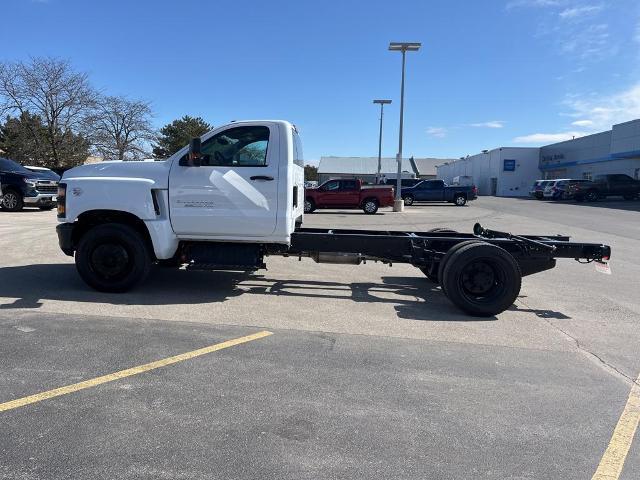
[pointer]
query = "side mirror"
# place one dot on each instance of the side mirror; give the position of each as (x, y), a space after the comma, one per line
(195, 152)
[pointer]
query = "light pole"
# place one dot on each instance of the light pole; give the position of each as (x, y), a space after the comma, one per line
(382, 104)
(404, 47)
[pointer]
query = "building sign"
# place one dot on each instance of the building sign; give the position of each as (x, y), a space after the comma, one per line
(550, 158)
(509, 165)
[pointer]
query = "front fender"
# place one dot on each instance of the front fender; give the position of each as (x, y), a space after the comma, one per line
(127, 195)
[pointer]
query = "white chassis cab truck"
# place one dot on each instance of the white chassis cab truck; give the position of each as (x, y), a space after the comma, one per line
(236, 195)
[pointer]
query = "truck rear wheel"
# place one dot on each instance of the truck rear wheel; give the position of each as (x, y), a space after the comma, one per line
(460, 200)
(482, 279)
(370, 206)
(448, 255)
(112, 258)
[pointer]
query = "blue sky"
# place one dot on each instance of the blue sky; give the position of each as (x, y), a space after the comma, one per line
(491, 72)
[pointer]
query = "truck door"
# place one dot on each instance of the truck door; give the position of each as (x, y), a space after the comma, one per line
(349, 193)
(328, 193)
(432, 190)
(234, 191)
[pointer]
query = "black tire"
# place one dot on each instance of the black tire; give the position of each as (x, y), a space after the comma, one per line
(12, 201)
(408, 200)
(309, 205)
(482, 279)
(460, 200)
(112, 258)
(591, 196)
(448, 255)
(46, 209)
(370, 206)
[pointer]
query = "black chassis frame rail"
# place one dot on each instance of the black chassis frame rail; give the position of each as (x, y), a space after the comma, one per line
(534, 253)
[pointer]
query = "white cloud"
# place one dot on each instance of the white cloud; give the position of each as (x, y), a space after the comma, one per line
(490, 124)
(604, 111)
(595, 113)
(438, 132)
(543, 138)
(582, 123)
(578, 12)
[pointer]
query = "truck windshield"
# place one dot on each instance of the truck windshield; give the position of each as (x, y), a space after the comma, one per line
(7, 165)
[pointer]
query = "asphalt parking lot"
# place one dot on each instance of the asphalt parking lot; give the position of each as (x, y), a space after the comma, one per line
(365, 372)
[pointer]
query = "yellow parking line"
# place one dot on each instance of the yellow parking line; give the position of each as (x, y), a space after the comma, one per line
(610, 466)
(38, 397)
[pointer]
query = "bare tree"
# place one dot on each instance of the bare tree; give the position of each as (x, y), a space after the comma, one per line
(62, 98)
(121, 128)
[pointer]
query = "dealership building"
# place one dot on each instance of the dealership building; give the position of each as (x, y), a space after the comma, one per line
(510, 171)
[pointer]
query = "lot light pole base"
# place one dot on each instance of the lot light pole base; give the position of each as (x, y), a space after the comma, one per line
(398, 205)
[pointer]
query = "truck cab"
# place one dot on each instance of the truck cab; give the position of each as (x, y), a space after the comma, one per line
(244, 186)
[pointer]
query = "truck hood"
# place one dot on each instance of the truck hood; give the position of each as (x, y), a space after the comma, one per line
(156, 172)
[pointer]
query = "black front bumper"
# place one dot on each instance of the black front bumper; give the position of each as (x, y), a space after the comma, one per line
(65, 238)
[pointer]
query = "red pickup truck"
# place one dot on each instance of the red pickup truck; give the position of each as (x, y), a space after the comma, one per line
(348, 194)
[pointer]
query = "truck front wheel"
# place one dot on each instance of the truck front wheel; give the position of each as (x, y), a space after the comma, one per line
(370, 206)
(482, 279)
(12, 201)
(112, 258)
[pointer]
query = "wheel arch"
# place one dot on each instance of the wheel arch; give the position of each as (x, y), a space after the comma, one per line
(92, 218)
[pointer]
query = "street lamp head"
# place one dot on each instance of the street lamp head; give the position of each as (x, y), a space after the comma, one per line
(382, 102)
(405, 46)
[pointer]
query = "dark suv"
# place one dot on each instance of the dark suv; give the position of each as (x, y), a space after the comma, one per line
(23, 188)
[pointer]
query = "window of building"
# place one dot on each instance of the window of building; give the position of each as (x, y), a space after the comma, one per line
(636, 174)
(587, 176)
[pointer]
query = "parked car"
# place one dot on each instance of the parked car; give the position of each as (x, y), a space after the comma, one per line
(341, 193)
(438, 191)
(554, 189)
(537, 190)
(610, 185)
(569, 188)
(23, 187)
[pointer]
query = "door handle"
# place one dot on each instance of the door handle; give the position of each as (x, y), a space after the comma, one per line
(261, 177)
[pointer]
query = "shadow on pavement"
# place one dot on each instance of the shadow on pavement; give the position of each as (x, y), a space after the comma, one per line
(413, 298)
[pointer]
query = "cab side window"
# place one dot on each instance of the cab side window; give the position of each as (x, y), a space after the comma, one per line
(348, 185)
(237, 147)
(333, 185)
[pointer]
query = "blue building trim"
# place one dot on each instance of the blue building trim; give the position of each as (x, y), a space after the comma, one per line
(613, 156)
